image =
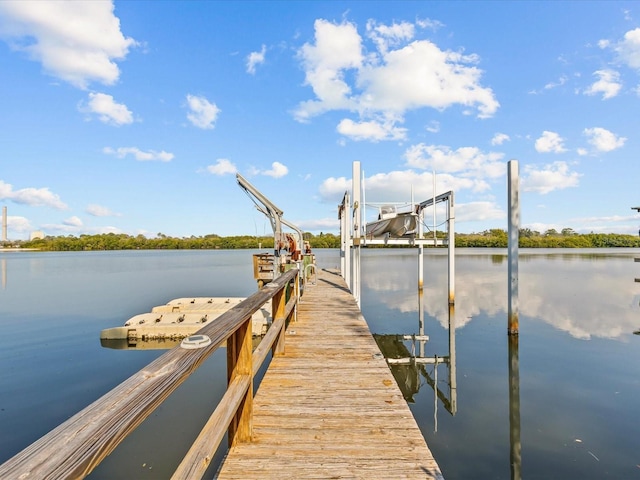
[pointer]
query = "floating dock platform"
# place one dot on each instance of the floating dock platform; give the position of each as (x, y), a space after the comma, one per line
(166, 325)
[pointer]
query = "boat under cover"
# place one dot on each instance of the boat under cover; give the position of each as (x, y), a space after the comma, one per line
(392, 223)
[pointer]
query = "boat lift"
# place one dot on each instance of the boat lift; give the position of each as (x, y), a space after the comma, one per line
(353, 236)
(286, 247)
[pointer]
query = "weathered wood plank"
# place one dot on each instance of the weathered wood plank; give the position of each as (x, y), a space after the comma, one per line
(329, 406)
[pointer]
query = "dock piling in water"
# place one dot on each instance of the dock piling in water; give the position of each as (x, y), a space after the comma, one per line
(513, 188)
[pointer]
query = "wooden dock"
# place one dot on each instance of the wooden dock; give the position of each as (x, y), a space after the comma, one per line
(330, 407)
(327, 407)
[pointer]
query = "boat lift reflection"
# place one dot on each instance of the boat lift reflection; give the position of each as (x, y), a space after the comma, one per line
(408, 365)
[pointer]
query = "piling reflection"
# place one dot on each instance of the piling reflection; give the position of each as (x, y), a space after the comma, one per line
(514, 408)
(412, 368)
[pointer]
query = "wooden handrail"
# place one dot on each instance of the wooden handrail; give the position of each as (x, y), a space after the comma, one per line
(77, 446)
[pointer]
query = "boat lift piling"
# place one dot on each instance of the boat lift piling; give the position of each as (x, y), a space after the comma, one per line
(358, 217)
(451, 244)
(344, 214)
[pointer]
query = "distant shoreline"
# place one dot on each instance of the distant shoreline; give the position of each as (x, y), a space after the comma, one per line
(2, 249)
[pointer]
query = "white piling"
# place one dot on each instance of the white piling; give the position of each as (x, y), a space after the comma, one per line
(513, 187)
(358, 208)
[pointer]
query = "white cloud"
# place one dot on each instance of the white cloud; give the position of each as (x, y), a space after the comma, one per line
(138, 154)
(500, 138)
(385, 36)
(35, 197)
(554, 176)
(337, 48)
(277, 170)
(561, 81)
(429, 24)
(467, 161)
(397, 186)
(18, 224)
(372, 130)
(627, 49)
(108, 110)
(421, 75)
(255, 58)
(222, 167)
(73, 221)
(399, 74)
(203, 114)
(603, 140)
(333, 189)
(100, 211)
(478, 211)
(433, 127)
(608, 84)
(77, 42)
(550, 142)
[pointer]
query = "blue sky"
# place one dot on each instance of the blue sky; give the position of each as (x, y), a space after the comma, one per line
(133, 117)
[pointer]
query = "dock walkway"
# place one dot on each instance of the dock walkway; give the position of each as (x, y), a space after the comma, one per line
(330, 407)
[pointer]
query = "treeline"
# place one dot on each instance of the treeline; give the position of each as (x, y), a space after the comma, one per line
(113, 241)
(567, 238)
(494, 238)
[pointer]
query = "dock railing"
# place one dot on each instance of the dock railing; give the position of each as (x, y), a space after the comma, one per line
(77, 446)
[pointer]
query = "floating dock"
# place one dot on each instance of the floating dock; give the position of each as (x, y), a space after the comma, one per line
(329, 407)
(166, 325)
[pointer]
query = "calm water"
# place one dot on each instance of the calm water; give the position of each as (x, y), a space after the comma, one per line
(574, 394)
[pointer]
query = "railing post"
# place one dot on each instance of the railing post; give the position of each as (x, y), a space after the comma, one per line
(240, 362)
(278, 304)
(300, 277)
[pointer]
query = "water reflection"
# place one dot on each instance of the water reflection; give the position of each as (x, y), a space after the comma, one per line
(405, 354)
(586, 299)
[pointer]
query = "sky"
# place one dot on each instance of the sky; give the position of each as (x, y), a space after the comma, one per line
(134, 117)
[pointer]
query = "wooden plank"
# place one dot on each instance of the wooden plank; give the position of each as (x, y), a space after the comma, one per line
(329, 406)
